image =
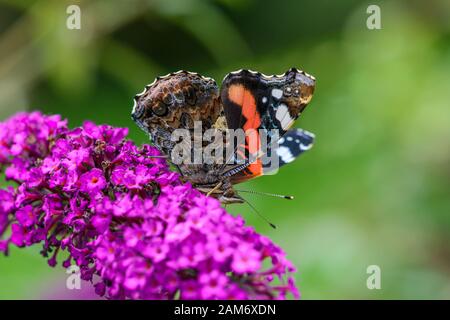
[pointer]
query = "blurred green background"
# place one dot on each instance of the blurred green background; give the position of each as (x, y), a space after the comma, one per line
(375, 188)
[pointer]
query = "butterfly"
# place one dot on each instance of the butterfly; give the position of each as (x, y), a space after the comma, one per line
(265, 106)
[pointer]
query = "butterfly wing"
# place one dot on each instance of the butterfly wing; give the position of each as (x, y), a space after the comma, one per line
(176, 101)
(252, 100)
(294, 143)
(262, 105)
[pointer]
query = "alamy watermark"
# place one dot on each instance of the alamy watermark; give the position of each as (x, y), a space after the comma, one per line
(73, 21)
(73, 281)
(374, 278)
(373, 21)
(225, 147)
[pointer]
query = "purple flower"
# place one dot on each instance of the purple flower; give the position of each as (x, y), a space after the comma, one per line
(156, 251)
(246, 259)
(92, 181)
(132, 227)
(77, 158)
(215, 285)
(26, 216)
(101, 222)
(18, 235)
(6, 207)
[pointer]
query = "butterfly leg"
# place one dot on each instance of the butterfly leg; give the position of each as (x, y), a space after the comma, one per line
(214, 189)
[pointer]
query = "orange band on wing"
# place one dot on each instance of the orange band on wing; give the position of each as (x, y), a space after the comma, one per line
(244, 98)
(253, 141)
(239, 95)
(256, 168)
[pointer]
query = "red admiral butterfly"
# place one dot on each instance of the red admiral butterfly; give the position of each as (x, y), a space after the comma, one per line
(247, 100)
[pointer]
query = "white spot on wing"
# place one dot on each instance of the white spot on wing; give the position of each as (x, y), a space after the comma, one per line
(283, 116)
(312, 135)
(277, 93)
(264, 99)
(285, 154)
(305, 146)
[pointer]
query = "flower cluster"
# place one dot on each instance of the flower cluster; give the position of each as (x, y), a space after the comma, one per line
(133, 228)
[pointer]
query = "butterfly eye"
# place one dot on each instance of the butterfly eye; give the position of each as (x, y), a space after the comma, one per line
(160, 109)
(296, 92)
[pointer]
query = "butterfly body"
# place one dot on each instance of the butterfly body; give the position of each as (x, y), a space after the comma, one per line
(263, 106)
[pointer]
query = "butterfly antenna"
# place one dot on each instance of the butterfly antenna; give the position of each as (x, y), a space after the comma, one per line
(259, 214)
(268, 194)
(159, 157)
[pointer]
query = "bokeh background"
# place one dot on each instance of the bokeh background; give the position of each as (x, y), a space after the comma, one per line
(375, 188)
